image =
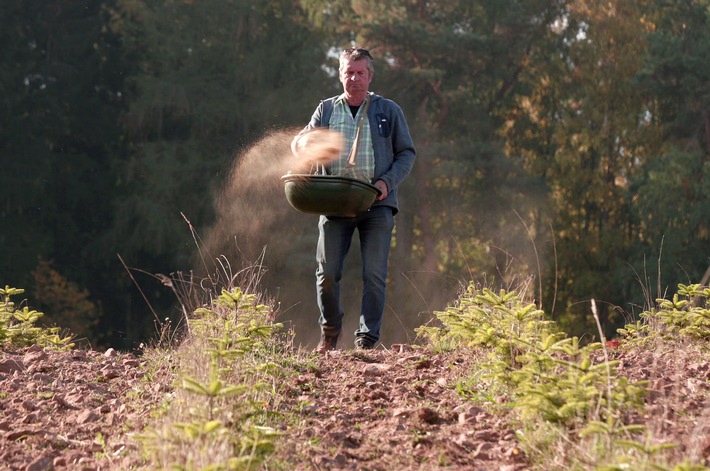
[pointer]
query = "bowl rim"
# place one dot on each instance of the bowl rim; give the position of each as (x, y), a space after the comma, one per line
(290, 177)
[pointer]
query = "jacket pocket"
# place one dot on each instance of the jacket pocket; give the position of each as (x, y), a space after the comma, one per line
(383, 125)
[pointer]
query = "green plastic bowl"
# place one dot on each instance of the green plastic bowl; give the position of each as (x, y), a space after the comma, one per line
(329, 195)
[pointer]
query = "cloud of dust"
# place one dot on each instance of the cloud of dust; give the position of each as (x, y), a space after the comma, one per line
(253, 217)
(252, 207)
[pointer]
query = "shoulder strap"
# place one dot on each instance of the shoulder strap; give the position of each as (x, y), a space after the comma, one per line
(327, 112)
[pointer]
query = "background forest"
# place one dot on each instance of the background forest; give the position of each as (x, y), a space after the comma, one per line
(562, 145)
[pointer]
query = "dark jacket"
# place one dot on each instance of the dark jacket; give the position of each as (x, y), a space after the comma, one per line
(392, 143)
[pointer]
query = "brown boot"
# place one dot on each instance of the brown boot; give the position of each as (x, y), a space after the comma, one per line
(327, 342)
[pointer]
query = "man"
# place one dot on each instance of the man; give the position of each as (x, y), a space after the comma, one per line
(378, 149)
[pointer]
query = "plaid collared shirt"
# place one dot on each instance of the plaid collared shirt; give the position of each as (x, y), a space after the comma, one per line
(342, 120)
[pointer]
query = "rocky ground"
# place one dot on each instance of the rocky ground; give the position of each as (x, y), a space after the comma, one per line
(393, 409)
(387, 409)
(72, 410)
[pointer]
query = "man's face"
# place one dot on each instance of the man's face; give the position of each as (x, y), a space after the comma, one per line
(356, 78)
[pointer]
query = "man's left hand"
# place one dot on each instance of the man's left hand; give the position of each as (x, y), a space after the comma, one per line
(382, 186)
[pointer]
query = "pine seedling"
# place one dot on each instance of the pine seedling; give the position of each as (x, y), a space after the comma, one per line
(686, 313)
(18, 327)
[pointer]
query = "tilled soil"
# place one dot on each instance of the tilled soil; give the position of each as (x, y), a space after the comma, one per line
(387, 409)
(393, 409)
(72, 409)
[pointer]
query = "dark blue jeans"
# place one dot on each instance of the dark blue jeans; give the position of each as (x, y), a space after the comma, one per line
(335, 235)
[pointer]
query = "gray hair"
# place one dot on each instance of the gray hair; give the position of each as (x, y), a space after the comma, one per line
(356, 54)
